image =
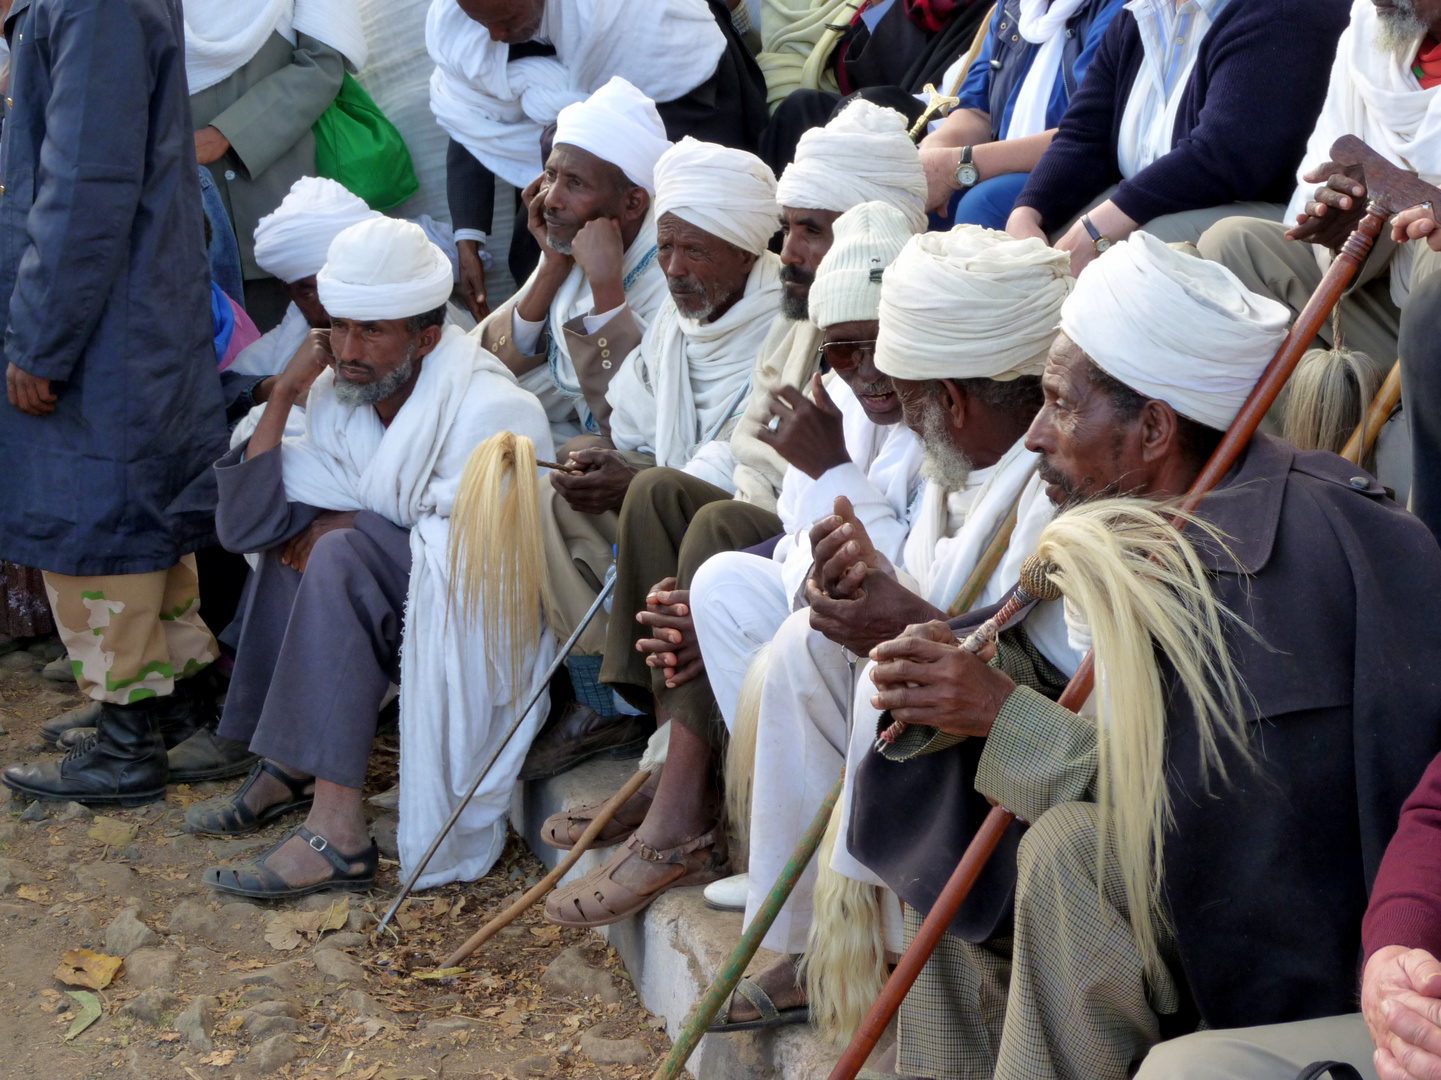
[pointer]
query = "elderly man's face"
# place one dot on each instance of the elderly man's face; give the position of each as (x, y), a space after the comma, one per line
(375, 360)
(1402, 22)
(705, 274)
(507, 21)
(808, 237)
(850, 349)
(579, 187)
(306, 296)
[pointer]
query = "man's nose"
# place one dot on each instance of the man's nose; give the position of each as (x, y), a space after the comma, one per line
(345, 344)
(1039, 436)
(793, 250)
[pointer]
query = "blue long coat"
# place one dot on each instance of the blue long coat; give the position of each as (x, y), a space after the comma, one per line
(105, 290)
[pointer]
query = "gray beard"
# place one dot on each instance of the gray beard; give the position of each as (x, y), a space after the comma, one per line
(944, 463)
(1399, 33)
(563, 247)
(352, 395)
(794, 309)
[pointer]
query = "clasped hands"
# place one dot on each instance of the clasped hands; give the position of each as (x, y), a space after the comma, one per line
(1401, 1001)
(595, 480)
(1332, 213)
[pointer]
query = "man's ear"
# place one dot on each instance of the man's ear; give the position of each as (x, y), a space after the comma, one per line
(1160, 433)
(637, 202)
(427, 340)
(748, 260)
(955, 401)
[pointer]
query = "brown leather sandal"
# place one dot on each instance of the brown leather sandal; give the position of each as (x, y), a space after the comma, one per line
(599, 900)
(562, 830)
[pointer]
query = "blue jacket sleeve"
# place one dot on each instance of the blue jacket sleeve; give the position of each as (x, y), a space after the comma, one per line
(975, 91)
(88, 185)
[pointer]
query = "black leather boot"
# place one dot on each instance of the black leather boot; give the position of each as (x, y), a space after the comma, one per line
(82, 717)
(188, 709)
(124, 763)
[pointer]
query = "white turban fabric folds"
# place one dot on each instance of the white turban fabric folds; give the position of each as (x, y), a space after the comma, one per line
(971, 303)
(728, 193)
(383, 269)
(618, 124)
(863, 155)
(292, 241)
(1175, 328)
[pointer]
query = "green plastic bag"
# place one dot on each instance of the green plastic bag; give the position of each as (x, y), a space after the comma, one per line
(358, 147)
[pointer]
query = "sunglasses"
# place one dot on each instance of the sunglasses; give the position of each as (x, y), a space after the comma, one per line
(845, 353)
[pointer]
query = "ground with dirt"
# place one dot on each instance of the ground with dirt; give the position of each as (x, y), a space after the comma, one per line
(210, 991)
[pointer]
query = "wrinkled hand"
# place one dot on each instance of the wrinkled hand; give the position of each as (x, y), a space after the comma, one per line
(601, 484)
(534, 199)
(1025, 224)
(1077, 243)
(313, 357)
(877, 612)
(472, 279)
(210, 145)
(29, 393)
(940, 166)
(298, 548)
(1401, 1001)
(925, 677)
(599, 250)
(674, 649)
(809, 435)
(1417, 223)
(841, 552)
(1330, 216)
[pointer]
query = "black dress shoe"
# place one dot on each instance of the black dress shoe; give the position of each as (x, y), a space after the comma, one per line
(123, 763)
(580, 734)
(208, 756)
(84, 716)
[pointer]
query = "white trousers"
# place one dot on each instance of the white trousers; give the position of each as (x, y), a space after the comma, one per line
(738, 602)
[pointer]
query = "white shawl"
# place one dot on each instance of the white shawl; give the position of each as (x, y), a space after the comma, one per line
(269, 353)
(497, 110)
(221, 36)
(675, 387)
(1374, 96)
(454, 707)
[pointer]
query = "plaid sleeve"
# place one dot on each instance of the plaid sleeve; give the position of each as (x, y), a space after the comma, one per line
(1038, 754)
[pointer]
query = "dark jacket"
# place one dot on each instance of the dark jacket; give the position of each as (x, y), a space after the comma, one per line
(1266, 879)
(1245, 115)
(105, 290)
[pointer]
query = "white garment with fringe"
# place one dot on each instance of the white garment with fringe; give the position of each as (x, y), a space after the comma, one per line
(221, 36)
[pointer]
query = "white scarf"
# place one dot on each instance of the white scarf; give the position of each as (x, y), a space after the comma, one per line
(221, 36)
(1374, 96)
(674, 388)
(269, 353)
(1043, 23)
(497, 110)
(454, 707)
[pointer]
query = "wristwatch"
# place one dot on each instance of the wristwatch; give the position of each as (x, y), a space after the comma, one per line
(1102, 244)
(966, 175)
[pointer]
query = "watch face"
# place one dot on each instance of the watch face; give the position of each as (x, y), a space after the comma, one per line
(968, 176)
(1102, 245)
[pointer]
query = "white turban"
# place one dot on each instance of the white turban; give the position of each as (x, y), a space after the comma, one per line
(863, 155)
(847, 287)
(1175, 328)
(383, 269)
(618, 124)
(291, 242)
(971, 303)
(728, 193)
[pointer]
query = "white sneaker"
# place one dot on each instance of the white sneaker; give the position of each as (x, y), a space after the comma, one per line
(728, 894)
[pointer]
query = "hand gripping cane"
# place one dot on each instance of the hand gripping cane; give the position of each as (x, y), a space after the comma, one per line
(1389, 190)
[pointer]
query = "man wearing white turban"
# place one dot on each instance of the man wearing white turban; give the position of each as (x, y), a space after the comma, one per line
(1067, 961)
(674, 399)
(598, 285)
(351, 522)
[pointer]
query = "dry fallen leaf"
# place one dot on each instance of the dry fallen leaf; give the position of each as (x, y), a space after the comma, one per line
(85, 967)
(112, 831)
(33, 893)
(219, 1058)
(438, 973)
(336, 915)
(89, 1012)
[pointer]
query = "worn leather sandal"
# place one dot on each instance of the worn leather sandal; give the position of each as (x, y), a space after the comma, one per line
(256, 881)
(599, 900)
(228, 815)
(770, 1016)
(562, 830)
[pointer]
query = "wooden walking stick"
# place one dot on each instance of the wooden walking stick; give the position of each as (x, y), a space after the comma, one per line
(1389, 191)
(1386, 399)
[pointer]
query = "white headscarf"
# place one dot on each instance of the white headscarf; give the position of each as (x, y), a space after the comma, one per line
(1043, 23)
(383, 269)
(222, 36)
(618, 124)
(1174, 327)
(971, 303)
(292, 241)
(728, 193)
(863, 155)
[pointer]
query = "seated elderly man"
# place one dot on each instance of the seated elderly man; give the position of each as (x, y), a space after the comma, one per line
(351, 520)
(1383, 89)
(1397, 1033)
(598, 285)
(1188, 109)
(869, 453)
(1245, 773)
(965, 321)
(677, 397)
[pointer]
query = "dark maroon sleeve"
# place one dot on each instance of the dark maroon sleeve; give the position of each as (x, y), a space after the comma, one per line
(1405, 904)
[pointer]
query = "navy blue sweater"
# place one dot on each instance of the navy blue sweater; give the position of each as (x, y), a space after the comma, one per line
(1246, 112)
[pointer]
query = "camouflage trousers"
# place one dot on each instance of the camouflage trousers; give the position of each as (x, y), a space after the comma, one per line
(130, 636)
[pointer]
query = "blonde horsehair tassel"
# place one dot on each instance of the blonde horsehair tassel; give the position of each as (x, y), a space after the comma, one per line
(740, 759)
(497, 566)
(1327, 397)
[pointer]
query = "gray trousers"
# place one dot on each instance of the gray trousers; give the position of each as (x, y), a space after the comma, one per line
(318, 650)
(1186, 226)
(1275, 1052)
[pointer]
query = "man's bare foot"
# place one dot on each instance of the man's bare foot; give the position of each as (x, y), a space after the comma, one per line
(779, 983)
(300, 864)
(268, 791)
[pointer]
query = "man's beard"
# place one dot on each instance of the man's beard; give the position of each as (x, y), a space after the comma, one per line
(1398, 31)
(795, 308)
(944, 462)
(708, 305)
(563, 247)
(1049, 474)
(352, 395)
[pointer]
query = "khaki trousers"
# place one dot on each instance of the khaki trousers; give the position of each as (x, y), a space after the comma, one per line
(1066, 999)
(130, 636)
(1186, 226)
(1274, 1052)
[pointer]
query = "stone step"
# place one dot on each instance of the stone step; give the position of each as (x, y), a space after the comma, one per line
(675, 948)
